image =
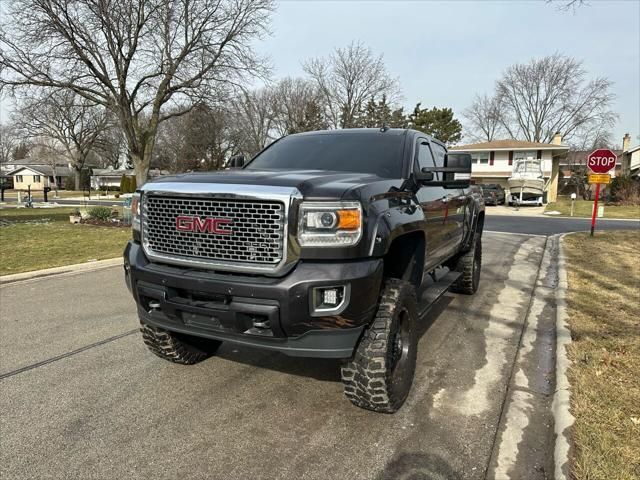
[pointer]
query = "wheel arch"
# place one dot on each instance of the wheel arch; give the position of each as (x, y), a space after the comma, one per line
(405, 257)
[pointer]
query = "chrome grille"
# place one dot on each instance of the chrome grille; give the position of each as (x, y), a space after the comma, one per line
(257, 230)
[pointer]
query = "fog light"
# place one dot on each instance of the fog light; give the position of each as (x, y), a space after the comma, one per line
(329, 300)
(330, 297)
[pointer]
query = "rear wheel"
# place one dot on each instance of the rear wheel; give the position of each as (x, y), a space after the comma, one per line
(176, 347)
(380, 374)
(469, 264)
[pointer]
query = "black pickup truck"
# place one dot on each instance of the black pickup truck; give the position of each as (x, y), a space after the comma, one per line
(326, 244)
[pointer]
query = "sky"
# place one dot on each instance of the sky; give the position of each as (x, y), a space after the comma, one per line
(444, 52)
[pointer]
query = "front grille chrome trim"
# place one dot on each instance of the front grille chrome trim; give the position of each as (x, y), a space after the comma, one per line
(288, 197)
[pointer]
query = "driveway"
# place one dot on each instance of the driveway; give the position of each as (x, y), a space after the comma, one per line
(82, 398)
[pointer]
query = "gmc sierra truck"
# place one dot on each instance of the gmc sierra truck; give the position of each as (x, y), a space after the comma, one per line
(328, 244)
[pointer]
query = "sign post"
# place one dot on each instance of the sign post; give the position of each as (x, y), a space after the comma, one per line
(599, 162)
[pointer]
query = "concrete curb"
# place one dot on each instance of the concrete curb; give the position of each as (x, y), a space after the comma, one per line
(66, 269)
(562, 398)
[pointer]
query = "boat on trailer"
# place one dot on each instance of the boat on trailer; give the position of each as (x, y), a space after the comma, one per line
(526, 183)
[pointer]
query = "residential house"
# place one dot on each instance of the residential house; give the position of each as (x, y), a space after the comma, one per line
(37, 177)
(7, 167)
(492, 162)
(110, 178)
(630, 157)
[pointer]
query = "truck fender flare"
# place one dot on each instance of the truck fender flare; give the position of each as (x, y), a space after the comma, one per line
(385, 232)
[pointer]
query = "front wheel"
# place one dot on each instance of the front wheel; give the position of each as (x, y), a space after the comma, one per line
(380, 374)
(176, 347)
(469, 264)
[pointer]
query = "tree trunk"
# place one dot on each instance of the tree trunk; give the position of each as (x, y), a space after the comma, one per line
(77, 179)
(141, 152)
(141, 168)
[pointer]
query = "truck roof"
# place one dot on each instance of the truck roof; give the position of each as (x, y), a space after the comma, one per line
(371, 131)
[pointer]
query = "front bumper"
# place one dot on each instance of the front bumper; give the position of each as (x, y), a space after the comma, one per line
(227, 307)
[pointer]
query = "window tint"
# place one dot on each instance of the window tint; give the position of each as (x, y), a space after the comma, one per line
(377, 153)
(438, 152)
(424, 157)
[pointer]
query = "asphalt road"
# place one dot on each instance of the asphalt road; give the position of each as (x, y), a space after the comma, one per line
(82, 398)
(552, 225)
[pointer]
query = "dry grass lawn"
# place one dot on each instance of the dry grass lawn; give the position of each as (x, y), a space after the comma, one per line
(33, 238)
(604, 311)
(584, 208)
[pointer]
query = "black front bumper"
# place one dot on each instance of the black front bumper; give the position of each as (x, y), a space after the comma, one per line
(226, 307)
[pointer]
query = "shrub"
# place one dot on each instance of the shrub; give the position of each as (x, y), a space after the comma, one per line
(70, 183)
(128, 184)
(625, 190)
(100, 213)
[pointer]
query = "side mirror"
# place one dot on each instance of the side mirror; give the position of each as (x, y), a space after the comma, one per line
(459, 169)
(237, 161)
(424, 175)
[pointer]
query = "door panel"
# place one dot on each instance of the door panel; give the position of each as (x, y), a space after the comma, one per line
(455, 207)
(434, 209)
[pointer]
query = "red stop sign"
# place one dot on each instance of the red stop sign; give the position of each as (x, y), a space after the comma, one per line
(601, 161)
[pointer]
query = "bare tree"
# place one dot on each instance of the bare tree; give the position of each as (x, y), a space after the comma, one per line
(146, 60)
(255, 120)
(8, 142)
(297, 106)
(110, 144)
(347, 79)
(566, 5)
(48, 151)
(551, 95)
(203, 139)
(69, 119)
(484, 118)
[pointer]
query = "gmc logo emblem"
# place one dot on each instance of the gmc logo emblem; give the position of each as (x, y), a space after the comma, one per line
(201, 225)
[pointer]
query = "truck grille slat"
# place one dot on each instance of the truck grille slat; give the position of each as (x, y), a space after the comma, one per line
(257, 229)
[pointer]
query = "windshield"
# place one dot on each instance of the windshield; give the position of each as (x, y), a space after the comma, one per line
(376, 153)
(524, 166)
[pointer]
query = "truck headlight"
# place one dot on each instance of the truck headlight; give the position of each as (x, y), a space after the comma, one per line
(329, 224)
(135, 212)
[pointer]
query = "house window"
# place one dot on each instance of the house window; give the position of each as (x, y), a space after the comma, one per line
(36, 179)
(481, 158)
(19, 178)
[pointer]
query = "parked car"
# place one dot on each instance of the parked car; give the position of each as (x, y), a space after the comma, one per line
(329, 244)
(493, 194)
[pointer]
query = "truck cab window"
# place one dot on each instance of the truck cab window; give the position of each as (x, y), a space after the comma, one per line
(424, 157)
(439, 153)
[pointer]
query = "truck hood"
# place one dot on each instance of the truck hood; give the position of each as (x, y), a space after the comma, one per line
(315, 184)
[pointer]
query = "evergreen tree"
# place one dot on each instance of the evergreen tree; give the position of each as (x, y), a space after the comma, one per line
(437, 122)
(376, 114)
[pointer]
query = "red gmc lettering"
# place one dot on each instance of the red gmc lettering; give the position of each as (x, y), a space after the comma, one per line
(208, 225)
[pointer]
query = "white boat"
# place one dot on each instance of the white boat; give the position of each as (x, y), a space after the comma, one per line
(526, 183)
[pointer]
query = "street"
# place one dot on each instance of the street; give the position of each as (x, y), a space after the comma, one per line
(544, 225)
(82, 397)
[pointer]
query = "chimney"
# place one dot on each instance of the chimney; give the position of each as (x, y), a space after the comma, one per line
(626, 142)
(557, 139)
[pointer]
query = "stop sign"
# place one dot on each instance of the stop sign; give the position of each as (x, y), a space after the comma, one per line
(601, 160)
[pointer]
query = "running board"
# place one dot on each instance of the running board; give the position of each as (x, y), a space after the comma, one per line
(435, 290)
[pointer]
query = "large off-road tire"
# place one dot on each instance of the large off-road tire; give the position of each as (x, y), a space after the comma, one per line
(176, 347)
(380, 374)
(469, 264)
